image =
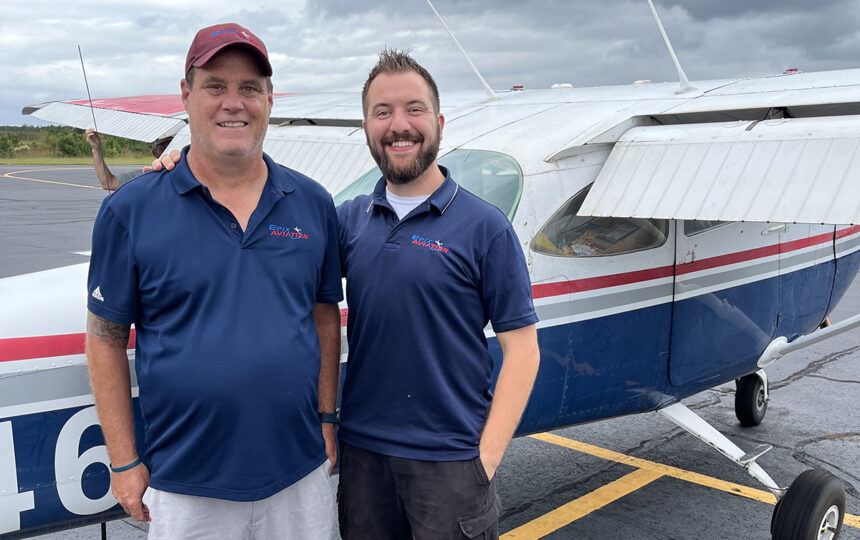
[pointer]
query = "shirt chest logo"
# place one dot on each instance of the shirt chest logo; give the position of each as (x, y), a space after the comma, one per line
(427, 243)
(287, 232)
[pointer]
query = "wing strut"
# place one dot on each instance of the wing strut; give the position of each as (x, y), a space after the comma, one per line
(780, 346)
(685, 84)
(491, 96)
(701, 429)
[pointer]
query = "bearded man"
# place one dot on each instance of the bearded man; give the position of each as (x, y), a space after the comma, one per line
(427, 265)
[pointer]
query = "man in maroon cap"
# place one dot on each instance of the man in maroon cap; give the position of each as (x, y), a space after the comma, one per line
(228, 267)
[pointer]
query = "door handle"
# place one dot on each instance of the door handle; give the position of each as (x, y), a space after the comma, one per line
(775, 229)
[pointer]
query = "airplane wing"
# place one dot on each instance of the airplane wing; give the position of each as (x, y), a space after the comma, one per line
(784, 170)
(793, 146)
(333, 156)
(149, 118)
(317, 134)
(142, 118)
(780, 149)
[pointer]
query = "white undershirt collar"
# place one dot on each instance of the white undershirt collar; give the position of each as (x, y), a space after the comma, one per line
(403, 205)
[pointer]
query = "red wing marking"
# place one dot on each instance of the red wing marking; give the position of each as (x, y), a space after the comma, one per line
(165, 105)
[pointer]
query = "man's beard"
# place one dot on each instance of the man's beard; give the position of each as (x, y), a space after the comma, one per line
(412, 170)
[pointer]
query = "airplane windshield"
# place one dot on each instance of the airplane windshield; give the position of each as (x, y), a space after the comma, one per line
(494, 177)
(569, 235)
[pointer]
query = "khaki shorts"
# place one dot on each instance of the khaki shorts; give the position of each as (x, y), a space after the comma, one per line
(302, 511)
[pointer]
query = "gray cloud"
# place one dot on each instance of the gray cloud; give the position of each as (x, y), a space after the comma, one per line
(138, 47)
(706, 10)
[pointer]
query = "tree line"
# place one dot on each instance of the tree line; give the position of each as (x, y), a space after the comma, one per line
(61, 141)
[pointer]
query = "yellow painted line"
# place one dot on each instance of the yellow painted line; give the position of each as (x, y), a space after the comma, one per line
(674, 472)
(570, 512)
(10, 175)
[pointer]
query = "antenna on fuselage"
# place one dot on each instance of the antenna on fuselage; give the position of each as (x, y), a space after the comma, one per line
(685, 84)
(491, 96)
(93, 111)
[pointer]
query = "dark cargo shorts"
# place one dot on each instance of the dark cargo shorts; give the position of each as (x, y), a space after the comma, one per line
(382, 497)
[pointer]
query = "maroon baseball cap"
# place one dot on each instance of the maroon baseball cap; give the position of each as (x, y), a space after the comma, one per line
(209, 41)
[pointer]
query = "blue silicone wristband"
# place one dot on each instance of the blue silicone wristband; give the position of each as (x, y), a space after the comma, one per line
(131, 465)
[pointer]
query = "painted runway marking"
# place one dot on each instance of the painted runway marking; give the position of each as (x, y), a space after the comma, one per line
(10, 175)
(647, 472)
(597, 499)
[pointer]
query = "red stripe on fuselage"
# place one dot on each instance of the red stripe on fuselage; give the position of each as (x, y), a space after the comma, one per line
(848, 232)
(46, 346)
(750, 254)
(626, 278)
(588, 284)
(67, 344)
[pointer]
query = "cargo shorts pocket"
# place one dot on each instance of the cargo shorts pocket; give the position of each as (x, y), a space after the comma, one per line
(480, 472)
(484, 523)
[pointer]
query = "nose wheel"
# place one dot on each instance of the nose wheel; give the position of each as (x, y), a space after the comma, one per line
(751, 399)
(812, 509)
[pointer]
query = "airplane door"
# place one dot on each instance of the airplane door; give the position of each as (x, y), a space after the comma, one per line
(726, 299)
(603, 292)
(806, 270)
(846, 247)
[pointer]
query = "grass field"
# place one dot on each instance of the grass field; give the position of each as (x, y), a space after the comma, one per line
(139, 159)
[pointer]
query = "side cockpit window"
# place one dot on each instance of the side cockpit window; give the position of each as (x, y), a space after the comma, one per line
(569, 235)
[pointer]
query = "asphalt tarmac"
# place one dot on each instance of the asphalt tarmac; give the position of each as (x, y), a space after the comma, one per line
(46, 216)
(630, 478)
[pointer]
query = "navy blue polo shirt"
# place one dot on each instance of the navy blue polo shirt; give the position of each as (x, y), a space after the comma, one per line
(227, 354)
(420, 292)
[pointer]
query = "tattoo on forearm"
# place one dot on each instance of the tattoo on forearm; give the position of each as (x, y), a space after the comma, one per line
(107, 331)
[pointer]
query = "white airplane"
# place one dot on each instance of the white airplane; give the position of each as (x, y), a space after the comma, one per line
(677, 238)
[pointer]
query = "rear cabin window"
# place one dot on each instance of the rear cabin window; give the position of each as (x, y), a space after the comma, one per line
(494, 177)
(569, 235)
(693, 227)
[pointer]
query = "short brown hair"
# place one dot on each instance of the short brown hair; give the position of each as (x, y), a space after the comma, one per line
(394, 61)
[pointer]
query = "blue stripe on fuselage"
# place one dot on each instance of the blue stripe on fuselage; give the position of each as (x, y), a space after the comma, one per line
(619, 364)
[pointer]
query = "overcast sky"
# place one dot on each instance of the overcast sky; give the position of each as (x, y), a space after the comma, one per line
(138, 47)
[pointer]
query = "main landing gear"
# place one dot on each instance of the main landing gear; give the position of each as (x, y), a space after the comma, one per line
(751, 398)
(812, 508)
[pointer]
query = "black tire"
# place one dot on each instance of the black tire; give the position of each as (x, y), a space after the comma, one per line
(808, 510)
(750, 402)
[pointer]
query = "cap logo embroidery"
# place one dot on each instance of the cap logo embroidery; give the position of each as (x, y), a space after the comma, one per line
(241, 35)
